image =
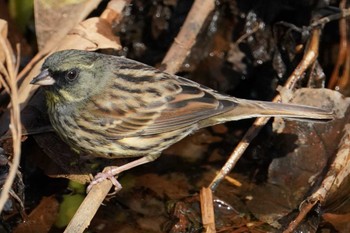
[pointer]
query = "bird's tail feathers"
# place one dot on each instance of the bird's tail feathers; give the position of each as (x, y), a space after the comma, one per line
(243, 109)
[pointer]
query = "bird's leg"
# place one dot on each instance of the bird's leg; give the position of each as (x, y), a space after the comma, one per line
(112, 171)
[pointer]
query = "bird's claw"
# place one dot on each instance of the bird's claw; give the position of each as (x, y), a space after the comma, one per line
(102, 176)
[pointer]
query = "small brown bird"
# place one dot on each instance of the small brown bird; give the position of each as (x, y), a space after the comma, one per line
(114, 107)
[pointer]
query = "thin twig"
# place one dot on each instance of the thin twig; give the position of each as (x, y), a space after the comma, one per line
(340, 75)
(303, 212)
(186, 38)
(344, 13)
(2, 78)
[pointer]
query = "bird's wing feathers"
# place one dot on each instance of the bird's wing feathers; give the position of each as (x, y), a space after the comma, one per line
(151, 102)
(192, 104)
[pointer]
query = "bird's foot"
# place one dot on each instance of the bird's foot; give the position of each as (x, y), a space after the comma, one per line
(107, 173)
(112, 171)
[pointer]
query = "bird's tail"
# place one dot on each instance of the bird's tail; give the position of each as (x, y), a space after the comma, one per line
(243, 109)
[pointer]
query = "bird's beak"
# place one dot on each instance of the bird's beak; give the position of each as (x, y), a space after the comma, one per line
(43, 79)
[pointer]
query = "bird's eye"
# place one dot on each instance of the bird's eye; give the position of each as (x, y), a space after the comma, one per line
(72, 75)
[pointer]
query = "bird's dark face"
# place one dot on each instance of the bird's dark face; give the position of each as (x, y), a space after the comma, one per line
(71, 75)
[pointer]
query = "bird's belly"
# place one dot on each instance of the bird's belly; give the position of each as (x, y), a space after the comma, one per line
(96, 144)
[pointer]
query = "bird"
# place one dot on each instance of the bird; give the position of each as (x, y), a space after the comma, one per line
(113, 107)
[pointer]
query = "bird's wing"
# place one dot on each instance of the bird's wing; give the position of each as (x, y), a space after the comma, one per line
(190, 105)
(150, 102)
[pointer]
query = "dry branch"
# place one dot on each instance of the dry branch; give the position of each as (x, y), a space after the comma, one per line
(88, 208)
(207, 210)
(186, 38)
